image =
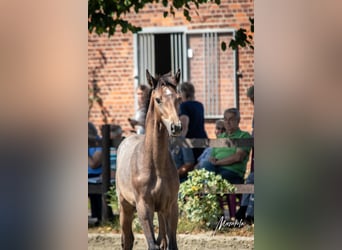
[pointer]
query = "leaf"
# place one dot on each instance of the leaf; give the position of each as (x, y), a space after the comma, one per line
(251, 20)
(223, 46)
(172, 10)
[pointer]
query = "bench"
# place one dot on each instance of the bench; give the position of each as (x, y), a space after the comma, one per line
(244, 188)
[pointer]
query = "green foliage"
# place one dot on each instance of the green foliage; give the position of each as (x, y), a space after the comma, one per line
(104, 16)
(113, 200)
(199, 196)
(241, 38)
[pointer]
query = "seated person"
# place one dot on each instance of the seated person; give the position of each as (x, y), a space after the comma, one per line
(117, 138)
(184, 160)
(230, 162)
(205, 156)
(94, 170)
(246, 211)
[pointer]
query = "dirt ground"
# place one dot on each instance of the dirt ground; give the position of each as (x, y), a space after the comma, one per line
(111, 241)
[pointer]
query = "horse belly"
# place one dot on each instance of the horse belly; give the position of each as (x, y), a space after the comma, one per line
(125, 159)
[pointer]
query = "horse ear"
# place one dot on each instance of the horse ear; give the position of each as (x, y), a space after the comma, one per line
(151, 80)
(177, 76)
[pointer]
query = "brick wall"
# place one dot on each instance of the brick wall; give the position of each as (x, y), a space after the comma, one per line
(110, 60)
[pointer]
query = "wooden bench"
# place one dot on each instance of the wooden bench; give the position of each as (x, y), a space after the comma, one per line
(244, 188)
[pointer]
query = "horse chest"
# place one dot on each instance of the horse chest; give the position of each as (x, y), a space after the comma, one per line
(160, 190)
(162, 195)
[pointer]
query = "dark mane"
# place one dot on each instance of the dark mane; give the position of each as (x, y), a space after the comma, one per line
(148, 98)
(166, 80)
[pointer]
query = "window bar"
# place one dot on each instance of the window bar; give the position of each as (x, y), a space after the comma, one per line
(206, 74)
(184, 73)
(180, 53)
(141, 66)
(153, 61)
(176, 51)
(210, 68)
(216, 84)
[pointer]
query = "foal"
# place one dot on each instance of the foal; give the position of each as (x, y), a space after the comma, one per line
(146, 177)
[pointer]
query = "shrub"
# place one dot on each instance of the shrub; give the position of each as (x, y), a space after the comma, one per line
(199, 196)
(113, 200)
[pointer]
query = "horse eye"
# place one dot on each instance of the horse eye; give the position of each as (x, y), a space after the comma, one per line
(158, 100)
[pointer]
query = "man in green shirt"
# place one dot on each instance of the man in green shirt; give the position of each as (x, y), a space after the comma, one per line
(230, 162)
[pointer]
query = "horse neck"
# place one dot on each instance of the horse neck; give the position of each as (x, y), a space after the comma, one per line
(156, 140)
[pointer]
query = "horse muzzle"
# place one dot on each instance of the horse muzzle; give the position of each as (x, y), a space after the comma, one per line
(176, 129)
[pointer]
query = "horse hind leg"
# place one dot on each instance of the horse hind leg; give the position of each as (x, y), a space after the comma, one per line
(161, 240)
(126, 219)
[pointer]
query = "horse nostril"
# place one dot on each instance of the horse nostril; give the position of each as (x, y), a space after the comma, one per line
(175, 129)
(179, 128)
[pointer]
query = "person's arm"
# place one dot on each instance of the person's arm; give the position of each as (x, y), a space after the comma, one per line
(189, 162)
(134, 122)
(183, 170)
(237, 157)
(185, 124)
(139, 118)
(95, 160)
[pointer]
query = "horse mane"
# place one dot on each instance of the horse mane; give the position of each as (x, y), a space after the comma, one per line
(148, 99)
(167, 80)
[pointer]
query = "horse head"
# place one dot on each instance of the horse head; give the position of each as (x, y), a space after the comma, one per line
(164, 101)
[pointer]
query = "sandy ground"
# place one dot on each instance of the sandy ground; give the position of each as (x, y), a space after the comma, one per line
(111, 241)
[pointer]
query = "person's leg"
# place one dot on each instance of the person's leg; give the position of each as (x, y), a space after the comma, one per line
(232, 178)
(250, 207)
(207, 165)
(246, 199)
(250, 210)
(197, 152)
(95, 202)
(96, 206)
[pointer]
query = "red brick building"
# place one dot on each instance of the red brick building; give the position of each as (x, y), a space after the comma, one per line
(221, 78)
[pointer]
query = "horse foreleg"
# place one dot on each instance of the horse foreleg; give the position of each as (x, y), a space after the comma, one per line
(145, 214)
(161, 240)
(171, 226)
(126, 218)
